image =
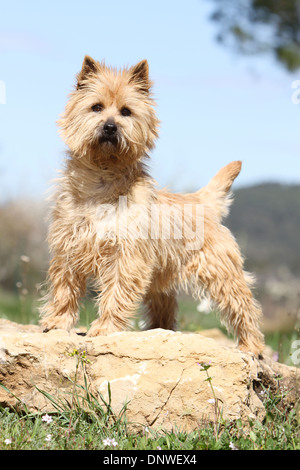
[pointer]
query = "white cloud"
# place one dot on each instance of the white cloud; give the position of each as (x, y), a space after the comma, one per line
(22, 42)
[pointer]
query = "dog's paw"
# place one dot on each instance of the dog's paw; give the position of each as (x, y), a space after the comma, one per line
(102, 329)
(251, 349)
(94, 331)
(47, 326)
(63, 322)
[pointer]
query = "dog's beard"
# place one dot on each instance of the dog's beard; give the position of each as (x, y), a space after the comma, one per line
(110, 141)
(107, 145)
(108, 148)
(119, 147)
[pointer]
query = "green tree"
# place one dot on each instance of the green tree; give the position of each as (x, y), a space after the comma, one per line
(261, 26)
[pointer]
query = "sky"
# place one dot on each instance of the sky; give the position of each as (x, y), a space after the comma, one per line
(214, 106)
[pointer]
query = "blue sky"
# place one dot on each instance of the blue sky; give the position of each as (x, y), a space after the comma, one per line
(214, 106)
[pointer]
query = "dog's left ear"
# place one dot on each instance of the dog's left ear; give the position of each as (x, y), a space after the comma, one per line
(140, 76)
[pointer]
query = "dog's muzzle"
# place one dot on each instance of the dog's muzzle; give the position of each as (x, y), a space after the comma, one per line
(109, 132)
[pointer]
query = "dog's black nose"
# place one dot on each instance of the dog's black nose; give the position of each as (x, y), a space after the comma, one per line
(110, 127)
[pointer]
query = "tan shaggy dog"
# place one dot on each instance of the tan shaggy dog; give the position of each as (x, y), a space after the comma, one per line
(139, 244)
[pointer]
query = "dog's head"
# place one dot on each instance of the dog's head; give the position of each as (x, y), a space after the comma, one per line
(110, 114)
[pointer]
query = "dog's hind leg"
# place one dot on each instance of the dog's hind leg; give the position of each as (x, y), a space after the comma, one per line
(160, 310)
(219, 270)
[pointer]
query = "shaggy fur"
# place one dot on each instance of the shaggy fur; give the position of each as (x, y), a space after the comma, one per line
(100, 221)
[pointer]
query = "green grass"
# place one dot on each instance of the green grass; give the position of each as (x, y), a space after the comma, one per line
(24, 310)
(83, 421)
(31, 433)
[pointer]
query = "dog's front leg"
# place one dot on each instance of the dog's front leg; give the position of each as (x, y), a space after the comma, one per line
(61, 307)
(125, 278)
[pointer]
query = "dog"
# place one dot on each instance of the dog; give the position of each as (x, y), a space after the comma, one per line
(138, 243)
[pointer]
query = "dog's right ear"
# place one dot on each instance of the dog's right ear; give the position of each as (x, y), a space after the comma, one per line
(89, 67)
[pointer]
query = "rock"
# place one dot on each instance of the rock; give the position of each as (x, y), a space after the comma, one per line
(217, 335)
(156, 372)
(223, 339)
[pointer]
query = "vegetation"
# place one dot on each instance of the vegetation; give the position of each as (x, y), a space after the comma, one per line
(264, 219)
(24, 309)
(83, 421)
(261, 26)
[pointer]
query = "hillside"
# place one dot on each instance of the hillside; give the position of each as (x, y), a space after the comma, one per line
(265, 219)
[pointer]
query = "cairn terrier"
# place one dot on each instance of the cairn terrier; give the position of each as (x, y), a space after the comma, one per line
(138, 243)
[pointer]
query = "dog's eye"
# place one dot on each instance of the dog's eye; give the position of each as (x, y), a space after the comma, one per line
(125, 112)
(97, 108)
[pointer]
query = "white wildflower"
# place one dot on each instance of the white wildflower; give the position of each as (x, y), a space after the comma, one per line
(109, 442)
(113, 442)
(47, 419)
(232, 446)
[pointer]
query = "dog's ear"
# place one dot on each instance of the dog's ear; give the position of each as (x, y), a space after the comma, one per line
(89, 67)
(139, 76)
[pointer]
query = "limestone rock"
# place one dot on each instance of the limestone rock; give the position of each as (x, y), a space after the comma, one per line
(156, 372)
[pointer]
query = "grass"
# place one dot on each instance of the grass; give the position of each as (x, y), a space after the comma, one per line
(24, 309)
(83, 421)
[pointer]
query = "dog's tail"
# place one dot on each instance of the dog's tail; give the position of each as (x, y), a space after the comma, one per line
(223, 180)
(217, 192)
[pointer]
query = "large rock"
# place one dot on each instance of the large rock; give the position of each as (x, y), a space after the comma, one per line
(157, 372)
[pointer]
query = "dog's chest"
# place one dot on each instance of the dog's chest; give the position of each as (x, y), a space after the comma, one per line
(113, 223)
